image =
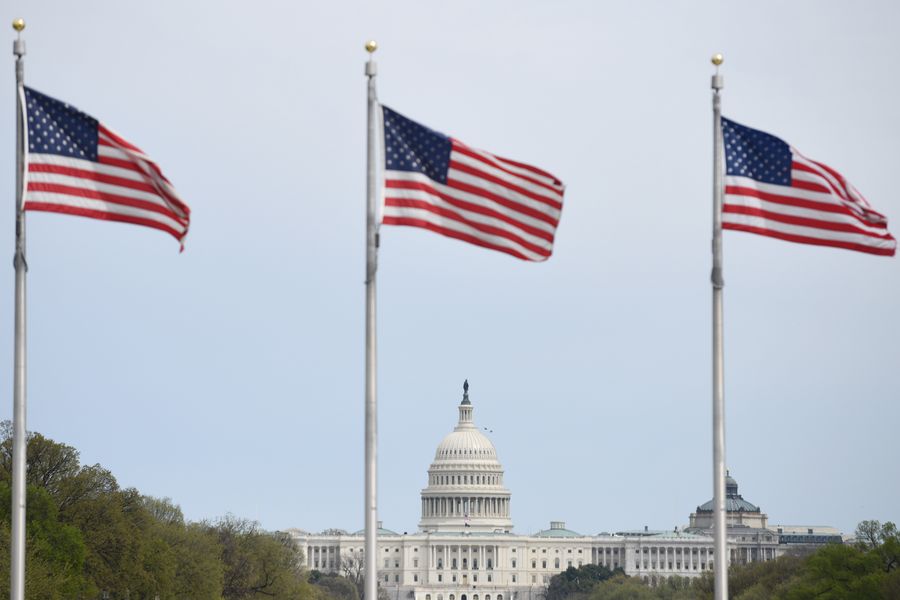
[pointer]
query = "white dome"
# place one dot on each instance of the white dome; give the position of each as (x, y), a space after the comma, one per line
(465, 444)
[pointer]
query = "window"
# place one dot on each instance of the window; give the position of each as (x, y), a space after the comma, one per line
(474, 577)
(569, 564)
(387, 563)
(534, 564)
(415, 563)
(454, 579)
(440, 578)
(543, 564)
(514, 578)
(465, 563)
(489, 578)
(490, 564)
(415, 577)
(453, 563)
(385, 578)
(475, 563)
(513, 563)
(556, 563)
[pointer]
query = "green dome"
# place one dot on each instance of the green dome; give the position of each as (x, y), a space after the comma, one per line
(557, 530)
(734, 502)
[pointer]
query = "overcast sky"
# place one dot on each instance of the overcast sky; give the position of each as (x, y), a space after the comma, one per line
(230, 377)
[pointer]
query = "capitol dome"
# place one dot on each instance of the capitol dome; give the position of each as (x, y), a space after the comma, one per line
(465, 481)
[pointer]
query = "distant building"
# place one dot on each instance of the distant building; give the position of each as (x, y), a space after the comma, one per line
(465, 548)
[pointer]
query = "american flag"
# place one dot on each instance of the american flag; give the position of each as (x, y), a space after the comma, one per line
(438, 183)
(771, 189)
(77, 166)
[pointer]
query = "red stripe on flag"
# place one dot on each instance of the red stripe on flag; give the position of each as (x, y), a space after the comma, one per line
(104, 216)
(410, 222)
(92, 175)
(454, 216)
(462, 149)
(469, 206)
(832, 207)
(801, 221)
(789, 237)
(552, 202)
(827, 187)
(71, 191)
(502, 201)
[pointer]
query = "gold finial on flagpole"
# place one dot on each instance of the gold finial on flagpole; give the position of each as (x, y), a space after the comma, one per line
(18, 24)
(371, 46)
(717, 59)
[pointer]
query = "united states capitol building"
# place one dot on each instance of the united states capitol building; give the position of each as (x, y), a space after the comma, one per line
(465, 548)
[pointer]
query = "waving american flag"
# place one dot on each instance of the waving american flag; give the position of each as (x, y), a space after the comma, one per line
(77, 166)
(771, 189)
(438, 183)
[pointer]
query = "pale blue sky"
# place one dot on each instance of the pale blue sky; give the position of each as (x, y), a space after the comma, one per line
(230, 377)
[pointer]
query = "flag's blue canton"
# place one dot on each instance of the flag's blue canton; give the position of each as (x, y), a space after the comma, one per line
(755, 154)
(54, 127)
(409, 146)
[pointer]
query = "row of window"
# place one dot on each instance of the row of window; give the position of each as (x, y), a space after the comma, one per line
(556, 563)
(465, 480)
(490, 578)
(652, 565)
(464, 597)
(465, 563)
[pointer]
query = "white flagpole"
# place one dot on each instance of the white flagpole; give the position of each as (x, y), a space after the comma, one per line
(17, 543)
(720, 546)
(371, 489)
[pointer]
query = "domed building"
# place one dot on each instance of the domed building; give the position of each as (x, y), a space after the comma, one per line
(738, 512)
(465, 548)
(465, 482)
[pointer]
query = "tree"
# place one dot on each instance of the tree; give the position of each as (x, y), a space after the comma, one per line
(352, 566)
(337, 587)
(256, 562)
(577, 581)
(884, 540)
(622, 587)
